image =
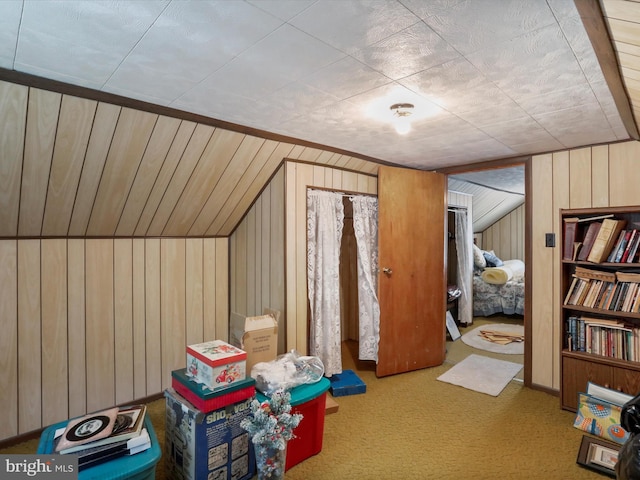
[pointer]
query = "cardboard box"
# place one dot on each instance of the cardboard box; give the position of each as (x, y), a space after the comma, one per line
(216, 364)
(258, 336)
(201, 445)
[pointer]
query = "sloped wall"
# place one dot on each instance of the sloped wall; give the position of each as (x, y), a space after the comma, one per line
(506, 236)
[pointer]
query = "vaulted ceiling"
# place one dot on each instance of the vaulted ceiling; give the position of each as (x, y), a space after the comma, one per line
(159, 117)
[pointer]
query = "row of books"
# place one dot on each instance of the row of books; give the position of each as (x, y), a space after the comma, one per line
(618, 292)
(625, 249)
(607, 337)
(104, 435)
(600, 241)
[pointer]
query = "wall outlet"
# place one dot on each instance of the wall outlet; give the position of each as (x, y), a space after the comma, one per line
(549, 239)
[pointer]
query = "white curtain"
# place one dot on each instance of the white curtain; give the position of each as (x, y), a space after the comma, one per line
(365, 225)
(464, 240)
(325, 219)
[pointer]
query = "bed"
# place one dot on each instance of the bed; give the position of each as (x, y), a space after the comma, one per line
(499, 289)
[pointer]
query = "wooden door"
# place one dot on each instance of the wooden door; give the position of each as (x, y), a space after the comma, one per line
(412, 279)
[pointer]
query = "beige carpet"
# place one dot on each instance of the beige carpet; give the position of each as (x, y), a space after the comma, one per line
(413, 427)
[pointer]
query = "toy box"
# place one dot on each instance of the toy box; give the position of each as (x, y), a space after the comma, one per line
(217, 364)
(141, 466)
(205, 399)
(207, 445)
(309, 400)
(258, 336)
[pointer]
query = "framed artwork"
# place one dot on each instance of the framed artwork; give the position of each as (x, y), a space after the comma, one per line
(599, 455)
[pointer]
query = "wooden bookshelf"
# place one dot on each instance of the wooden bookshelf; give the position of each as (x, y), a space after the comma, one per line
(600, 305)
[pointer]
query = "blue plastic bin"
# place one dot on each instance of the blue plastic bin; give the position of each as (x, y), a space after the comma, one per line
(141, 466)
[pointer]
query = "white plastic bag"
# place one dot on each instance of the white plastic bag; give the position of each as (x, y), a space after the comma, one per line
(287, 371)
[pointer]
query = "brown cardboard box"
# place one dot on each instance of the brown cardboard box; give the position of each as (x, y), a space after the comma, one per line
(258, 336)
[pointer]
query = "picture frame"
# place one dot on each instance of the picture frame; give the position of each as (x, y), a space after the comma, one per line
(599, 455)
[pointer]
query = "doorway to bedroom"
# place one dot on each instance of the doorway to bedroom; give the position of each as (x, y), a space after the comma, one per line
(498, 210)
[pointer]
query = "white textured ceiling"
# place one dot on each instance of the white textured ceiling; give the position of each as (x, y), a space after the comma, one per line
(502, 78)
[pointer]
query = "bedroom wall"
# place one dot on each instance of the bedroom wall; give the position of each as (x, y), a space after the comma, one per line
(256, 257)
(600, 176)
(506, 236)
(87, 324)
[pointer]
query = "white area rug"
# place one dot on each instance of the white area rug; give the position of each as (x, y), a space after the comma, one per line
(482, 374)
(473, 339)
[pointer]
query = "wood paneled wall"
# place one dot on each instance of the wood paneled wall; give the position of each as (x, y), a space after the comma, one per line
(257, 257)
(87, 324)
(506, 236)
(600, 176)
(269, 248)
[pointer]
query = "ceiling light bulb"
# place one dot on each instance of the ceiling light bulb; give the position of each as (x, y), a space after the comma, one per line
(403, 125)
(401, 114)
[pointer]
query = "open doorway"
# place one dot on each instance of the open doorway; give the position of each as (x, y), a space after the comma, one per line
(498, 209)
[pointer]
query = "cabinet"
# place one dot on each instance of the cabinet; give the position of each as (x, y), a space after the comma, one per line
(600, 306)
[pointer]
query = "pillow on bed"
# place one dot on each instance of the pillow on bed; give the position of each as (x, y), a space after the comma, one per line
(478, 258)
(491, 259)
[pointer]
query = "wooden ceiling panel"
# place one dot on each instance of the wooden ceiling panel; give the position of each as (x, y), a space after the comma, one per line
(246, 153)
(162, 137)
(169, 166)
(74, 166)
(13, 107)
(235, 182)
(181, 175)
(104, 125)
(213, 162)
(251, 192)
(72, 138)
(129, 143)
(42, 121)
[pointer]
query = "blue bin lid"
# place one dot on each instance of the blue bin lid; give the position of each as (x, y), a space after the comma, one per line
(303, 393)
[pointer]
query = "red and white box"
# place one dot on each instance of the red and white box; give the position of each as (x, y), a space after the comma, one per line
(217, 364)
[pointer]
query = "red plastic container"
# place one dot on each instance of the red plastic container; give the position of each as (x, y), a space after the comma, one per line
(309, 400)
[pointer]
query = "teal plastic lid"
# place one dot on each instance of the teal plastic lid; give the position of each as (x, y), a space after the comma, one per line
(303, 393)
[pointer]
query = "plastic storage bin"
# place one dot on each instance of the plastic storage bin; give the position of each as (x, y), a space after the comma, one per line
(309, 400)
(141, 466)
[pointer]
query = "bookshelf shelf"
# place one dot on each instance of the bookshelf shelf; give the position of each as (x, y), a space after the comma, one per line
(600, 301)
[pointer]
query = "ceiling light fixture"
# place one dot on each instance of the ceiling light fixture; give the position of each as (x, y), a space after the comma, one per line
(401, 114)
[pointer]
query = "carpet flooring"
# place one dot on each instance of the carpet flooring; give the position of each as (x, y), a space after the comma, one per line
(413, 427)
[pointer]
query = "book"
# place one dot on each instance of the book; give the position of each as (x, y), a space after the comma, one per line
(589, 238)
(604, 242)
(570, 234)
(608, 395)
(627, 250)
(616, 246)
(81, 431)
(633, 248)
(104, 453)
(593, 274)
(128, 424)
(576, 248)
(623, 246)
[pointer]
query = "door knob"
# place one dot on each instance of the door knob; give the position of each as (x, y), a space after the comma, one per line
(388, 271)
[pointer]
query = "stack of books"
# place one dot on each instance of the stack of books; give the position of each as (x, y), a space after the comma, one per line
(611, 338)
(105, 435)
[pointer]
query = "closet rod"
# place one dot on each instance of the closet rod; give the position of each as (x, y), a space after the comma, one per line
(344, 193)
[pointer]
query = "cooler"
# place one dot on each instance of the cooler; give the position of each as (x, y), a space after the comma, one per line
(309, 400)
(141, 466)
